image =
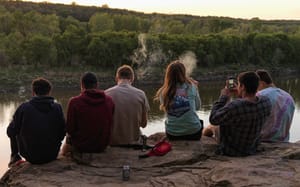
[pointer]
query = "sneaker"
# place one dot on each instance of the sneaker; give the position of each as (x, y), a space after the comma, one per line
(14, 159)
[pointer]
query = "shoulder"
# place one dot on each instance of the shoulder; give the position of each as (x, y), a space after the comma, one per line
(265, 101)
(263, 98)
(23, 106)
(285, 93)
(108, 98)
(192, 87)
(111, 89)
(136, 91)
(57, 105)
(74, 99)
(236, 103)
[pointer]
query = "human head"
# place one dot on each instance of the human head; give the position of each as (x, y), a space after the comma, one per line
(41, 86)
(88, 81)
(175, 73)
(247, 83)
(125, 72)
(265, 79)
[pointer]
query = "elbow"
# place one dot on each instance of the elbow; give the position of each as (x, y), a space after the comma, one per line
(144, 124)
(212, 121)
(10, 132)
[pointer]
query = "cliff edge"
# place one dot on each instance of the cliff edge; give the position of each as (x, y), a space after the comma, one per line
(190, 163)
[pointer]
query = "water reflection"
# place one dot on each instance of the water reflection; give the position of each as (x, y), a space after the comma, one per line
(209, 92)
(6, 110)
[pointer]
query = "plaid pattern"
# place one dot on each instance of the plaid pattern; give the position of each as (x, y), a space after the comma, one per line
(240, 124)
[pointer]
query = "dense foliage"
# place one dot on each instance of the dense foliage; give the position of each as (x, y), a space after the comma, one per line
(68, 35)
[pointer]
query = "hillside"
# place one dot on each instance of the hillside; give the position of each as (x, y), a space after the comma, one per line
(56, 35)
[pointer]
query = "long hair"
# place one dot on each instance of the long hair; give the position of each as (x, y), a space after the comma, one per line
(175, 75)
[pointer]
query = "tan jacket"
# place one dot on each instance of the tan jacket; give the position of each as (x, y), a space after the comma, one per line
(131, 108)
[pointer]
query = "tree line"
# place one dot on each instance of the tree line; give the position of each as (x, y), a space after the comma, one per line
(68, 35)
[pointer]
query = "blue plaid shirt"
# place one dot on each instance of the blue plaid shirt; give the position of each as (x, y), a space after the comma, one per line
(240, 124)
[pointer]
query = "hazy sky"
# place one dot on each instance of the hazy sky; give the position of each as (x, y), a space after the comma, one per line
(264, 9)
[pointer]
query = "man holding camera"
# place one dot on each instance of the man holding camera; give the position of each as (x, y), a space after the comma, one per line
(240, 120)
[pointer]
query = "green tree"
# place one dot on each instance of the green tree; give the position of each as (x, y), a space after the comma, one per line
(101, 22)
(39, 49)
(6, 21)
(126, 23)
(175, 27)
(65, 22)
(13, 48)
(194, 26)
(32, 23)
(71, 45)
(256, 24)
(111, 49)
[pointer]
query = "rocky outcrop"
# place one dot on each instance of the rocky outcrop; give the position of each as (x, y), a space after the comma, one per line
(188, 164)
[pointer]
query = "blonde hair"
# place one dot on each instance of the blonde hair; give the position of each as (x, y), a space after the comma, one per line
(125, 72)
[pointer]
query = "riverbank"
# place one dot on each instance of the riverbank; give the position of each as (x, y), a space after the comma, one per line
(63, 77)
(189, 163)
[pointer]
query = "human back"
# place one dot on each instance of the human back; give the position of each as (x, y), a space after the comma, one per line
(38, 126)
(89, 117)
(240, 120)
(277, 126)
(179, 99)
(131, 108)
(240, 129)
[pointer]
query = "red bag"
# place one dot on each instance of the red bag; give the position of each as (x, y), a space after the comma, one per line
(160, 149)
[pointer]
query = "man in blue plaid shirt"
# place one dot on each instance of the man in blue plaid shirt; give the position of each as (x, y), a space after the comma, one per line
(241, 119)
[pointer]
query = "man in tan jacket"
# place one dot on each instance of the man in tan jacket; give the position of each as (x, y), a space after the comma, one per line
(131, 108)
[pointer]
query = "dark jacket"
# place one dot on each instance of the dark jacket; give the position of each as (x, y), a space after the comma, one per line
(89, 121)
(39, 127)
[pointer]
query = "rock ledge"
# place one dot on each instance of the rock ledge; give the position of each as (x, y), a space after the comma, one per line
(188, 164)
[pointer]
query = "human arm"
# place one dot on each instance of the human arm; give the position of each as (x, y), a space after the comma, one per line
(15, 125)
(197, 100)
(221, 113)
(62, 122)
(146, 108)
(71, 120)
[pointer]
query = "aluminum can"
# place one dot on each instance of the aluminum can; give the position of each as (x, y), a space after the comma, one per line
(126, 172)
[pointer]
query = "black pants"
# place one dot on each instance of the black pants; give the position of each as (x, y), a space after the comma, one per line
(36, 157)
(195, 136)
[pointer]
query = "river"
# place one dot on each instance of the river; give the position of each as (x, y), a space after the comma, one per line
(209, 92)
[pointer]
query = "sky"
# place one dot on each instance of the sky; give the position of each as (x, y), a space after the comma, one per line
(263, 9)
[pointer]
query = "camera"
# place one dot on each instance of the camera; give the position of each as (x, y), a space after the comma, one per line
(231, 83)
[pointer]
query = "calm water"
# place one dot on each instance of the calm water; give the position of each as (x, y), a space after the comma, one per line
(209, 92)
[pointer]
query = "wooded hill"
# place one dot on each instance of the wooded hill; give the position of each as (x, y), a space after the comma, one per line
(60, 35)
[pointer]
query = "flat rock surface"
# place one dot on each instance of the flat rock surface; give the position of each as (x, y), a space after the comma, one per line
(190, 163)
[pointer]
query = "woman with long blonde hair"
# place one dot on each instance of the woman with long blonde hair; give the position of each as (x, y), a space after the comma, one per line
(179, 99)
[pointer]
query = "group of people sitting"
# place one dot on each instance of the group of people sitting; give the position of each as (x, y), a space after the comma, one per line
(239, 120)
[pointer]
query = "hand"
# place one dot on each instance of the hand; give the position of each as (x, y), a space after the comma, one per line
(196, 83)
(225, 91)
(229, 91)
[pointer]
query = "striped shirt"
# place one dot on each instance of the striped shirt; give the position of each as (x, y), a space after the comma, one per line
(240, 124)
